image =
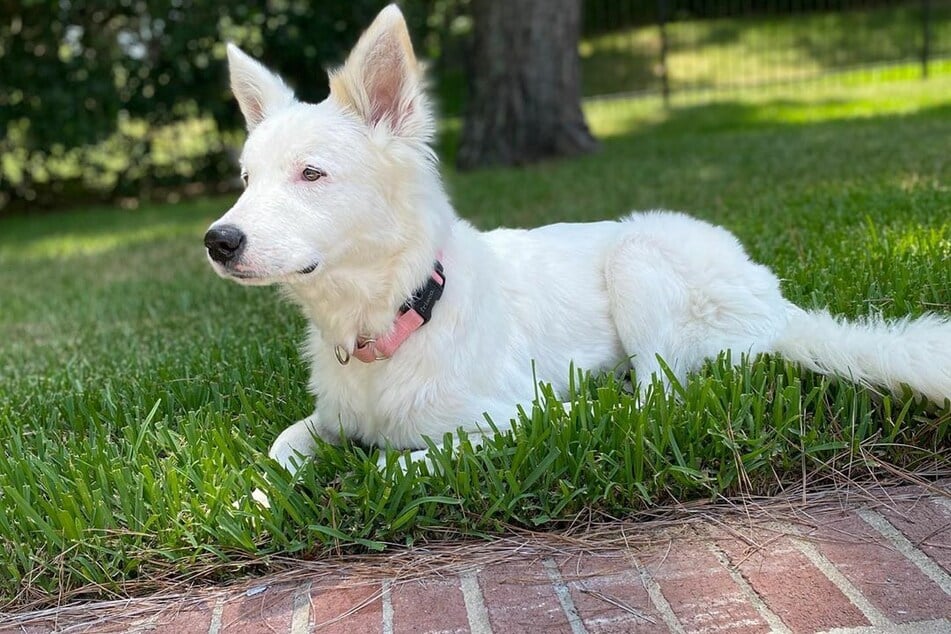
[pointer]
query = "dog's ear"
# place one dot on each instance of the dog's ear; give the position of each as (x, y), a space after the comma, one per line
(382, 81)
(259, 91)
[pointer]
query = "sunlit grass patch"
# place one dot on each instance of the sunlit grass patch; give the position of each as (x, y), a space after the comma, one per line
(69, 245)
(854, 95)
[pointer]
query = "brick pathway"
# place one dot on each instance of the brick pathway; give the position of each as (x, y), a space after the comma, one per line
(881, 567)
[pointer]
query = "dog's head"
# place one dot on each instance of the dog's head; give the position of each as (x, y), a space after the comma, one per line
(328, 184)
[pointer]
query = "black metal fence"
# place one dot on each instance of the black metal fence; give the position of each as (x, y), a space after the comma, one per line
(678, 48)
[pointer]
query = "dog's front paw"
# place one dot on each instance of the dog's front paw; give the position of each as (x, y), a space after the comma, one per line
(258, 496)
(294, 445)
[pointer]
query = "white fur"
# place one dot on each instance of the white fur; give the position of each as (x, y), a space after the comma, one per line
(519, 305)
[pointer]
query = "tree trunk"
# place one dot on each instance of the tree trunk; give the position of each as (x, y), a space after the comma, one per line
(524, 84)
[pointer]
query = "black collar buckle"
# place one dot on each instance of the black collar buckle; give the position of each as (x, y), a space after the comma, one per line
(425, 297)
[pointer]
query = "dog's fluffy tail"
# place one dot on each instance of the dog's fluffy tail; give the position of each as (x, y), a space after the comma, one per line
(873, 351)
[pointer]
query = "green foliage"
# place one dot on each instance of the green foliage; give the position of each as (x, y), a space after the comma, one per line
(84, 79)
(139, 393)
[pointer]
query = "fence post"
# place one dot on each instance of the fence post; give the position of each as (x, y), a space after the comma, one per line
(926, 36)
(664, 75)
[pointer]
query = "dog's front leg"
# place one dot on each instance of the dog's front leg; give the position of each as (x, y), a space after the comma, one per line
(292, 448)
(296, 444)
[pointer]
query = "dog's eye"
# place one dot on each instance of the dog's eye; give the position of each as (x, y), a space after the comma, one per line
(312, 173)
(244, 177)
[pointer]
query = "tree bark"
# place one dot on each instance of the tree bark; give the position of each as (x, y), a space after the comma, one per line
(524, 84)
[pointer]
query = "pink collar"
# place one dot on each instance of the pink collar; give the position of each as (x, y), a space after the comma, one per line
(414, 313)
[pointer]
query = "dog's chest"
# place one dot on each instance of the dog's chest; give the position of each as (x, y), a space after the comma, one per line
(377, 403)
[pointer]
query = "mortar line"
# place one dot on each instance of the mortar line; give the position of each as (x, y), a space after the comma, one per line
(300, 619)
(476, 612)
(215, 626)
(853, 594)
(564, 597)
(772, 619)
(944, 502)
(932, 626)
(387, 607)
(145, 625)
(900, 542)
(659, 600)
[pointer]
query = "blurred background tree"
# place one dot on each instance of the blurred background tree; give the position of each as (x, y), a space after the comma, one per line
(524, 84)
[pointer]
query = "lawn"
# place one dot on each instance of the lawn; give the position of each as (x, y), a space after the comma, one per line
(140, 392)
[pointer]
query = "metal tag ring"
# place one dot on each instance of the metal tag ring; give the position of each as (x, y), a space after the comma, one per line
(342, 354)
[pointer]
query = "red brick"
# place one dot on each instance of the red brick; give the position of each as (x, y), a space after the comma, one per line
(330, 604)
(892, 583)
(614, 576)
(926, 524)
(701, 592)
(520, 598)
(265, 613)
(786, 581)
(191, 620)
(430, 605)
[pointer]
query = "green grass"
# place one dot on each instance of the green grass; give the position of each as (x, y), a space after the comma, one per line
(140, 392)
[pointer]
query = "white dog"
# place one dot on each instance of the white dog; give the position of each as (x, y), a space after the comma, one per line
(345, 209)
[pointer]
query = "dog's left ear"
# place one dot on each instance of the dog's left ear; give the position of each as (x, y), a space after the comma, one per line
(382, 81)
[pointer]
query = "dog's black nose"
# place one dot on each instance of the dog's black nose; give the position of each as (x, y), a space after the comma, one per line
(224, 243)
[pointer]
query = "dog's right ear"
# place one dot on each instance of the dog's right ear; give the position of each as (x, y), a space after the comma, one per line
(259, 91)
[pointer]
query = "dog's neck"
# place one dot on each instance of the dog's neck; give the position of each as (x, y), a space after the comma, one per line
(362, 301)
(360, 297)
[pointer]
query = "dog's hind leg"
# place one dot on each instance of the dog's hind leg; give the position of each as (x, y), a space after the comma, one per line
(649, 300)
(688, 303)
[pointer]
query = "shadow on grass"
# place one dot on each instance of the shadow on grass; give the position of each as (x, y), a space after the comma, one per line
(733, 163)
(616, 70)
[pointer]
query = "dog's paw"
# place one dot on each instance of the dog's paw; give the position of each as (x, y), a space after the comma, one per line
(258, 496)
(261, 498)
(295, 445)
